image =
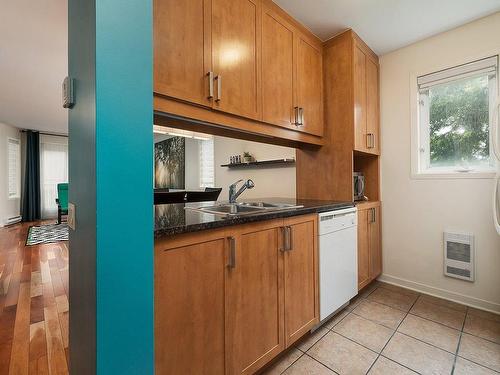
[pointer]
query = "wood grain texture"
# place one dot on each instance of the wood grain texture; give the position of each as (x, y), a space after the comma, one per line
(31, 331)
(277, 70)
(309, 85)
(372, 104)
(182, 49)
(375, 244)
(359, 80)
(189, 307)
(236, 54)
(301, 281)
(254, 316)
(363, 248)
(334, 159)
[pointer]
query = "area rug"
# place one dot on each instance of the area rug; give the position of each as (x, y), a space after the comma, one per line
(42, 234)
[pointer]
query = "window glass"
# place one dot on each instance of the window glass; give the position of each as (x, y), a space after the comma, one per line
(455, 111)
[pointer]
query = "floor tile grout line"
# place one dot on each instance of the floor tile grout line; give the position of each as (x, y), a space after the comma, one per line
(459, 342)
(479, 364)
(425, 342)
(390, 338)
(348, 338)
(291, 364)
(434, 321)
(321, 363)
(459, 330)
(373, 321)
(393, 360)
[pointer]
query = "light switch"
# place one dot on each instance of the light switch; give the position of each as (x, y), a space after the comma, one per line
(71, 216)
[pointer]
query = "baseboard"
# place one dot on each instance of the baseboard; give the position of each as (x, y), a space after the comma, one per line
(442, 293)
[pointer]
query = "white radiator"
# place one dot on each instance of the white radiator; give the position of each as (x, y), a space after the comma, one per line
(459, 256)
(12, 220)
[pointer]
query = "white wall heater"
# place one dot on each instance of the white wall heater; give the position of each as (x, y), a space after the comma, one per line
(459, 256)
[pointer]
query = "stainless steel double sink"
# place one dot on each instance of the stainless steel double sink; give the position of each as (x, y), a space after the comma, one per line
(244, 208)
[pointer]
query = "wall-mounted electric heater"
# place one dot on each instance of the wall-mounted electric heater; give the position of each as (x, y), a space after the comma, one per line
(459, 256)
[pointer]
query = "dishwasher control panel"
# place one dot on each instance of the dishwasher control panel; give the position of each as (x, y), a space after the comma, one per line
(332, 221)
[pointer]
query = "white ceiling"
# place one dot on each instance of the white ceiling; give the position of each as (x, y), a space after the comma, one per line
(386, 25)
(33, 63)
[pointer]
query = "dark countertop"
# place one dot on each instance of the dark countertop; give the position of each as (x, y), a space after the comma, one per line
(175, 218)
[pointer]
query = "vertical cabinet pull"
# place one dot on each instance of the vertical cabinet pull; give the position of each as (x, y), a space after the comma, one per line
(296, 116)
(210, 76)
(232, 252)
(283, 239)
(373, 215)
(370, 140)
(218, 78)
(290, 239)
(301, 116)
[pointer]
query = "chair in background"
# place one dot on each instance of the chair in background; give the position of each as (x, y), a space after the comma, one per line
(62, 201)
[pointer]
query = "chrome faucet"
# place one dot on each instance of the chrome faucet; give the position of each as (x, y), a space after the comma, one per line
(233, 194)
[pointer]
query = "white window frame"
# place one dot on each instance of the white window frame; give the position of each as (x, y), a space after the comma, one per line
(17, 195)
(419, 136)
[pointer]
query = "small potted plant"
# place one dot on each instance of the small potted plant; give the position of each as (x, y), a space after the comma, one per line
(247, 157)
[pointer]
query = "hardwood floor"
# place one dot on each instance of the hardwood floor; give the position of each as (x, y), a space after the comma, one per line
(34, 308)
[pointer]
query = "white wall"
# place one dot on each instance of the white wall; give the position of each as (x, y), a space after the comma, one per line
(269, 182)
(415, 212)
(8, 207)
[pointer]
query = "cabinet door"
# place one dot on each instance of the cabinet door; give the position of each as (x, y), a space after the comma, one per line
(372, 107)
(254, 321)
(236, 47)
(363, 248)
(309, 78)
(277, 70)
(182, 49)
(189, 309)
(375, 243)
(360, 138)
(301, 278)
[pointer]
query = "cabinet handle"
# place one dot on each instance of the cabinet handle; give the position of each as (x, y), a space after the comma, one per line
(232, 252)
(283, 239)
(290, 239)
(373, 216)
(373, 140)
(218, 78)
(296, 116)
(210, 76)
(301, 116)
(370, 140)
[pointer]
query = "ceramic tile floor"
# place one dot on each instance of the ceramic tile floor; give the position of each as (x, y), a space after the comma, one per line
(390, 330)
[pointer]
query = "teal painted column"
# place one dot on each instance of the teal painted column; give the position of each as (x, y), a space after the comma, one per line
(124, 152)
(111, 138)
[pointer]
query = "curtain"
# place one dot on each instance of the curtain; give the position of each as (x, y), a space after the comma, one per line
(53, 170)
(31, 197)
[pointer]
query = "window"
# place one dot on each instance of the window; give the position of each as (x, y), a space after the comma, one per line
(454, 118)
(207, 170)
(53, 170)
(14, 165)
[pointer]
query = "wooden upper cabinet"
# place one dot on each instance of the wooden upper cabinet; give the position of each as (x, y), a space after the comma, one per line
(277, 70)
(360, 137)
(301, 278)
(236, 49)
(366, 100)
(373, 106)
(309, 83)
(254, 322)
(182, 56)
(189, 306)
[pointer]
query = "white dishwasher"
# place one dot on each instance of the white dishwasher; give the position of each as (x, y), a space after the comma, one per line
(338, 259)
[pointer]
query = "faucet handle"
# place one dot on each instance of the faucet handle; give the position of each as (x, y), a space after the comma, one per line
(236, 183)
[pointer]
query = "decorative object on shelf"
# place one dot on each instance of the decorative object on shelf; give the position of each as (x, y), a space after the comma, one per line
(247, 157)
(262, 164)
(170, 163)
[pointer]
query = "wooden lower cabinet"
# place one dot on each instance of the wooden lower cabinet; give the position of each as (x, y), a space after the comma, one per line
(228, 301)
(254, 323)
(189, 305)
(369, 243)
(301, 286)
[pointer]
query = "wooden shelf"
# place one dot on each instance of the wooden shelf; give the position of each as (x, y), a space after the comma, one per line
(262, 164)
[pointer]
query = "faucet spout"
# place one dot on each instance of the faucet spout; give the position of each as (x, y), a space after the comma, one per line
(233, 194)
